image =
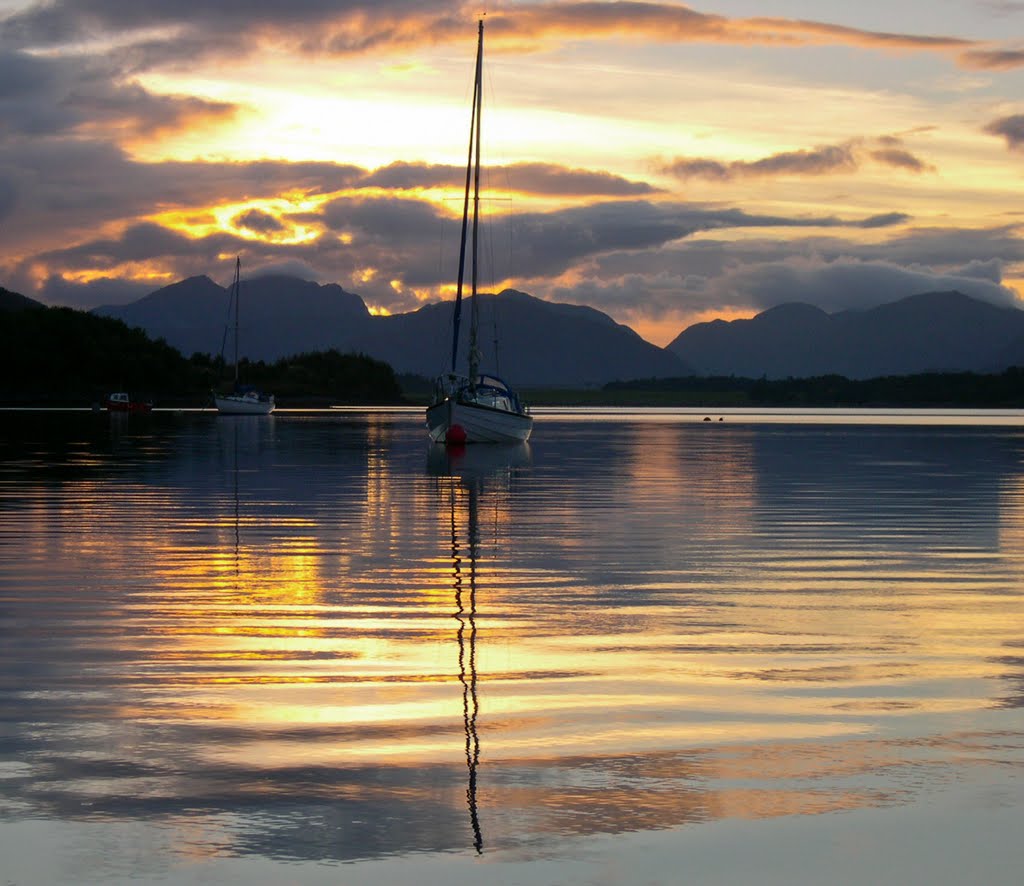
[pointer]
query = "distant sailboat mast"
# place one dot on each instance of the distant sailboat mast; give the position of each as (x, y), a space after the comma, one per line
(240, 401)
(238, 295)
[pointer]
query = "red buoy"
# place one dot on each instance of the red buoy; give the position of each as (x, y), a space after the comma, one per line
(456, 435)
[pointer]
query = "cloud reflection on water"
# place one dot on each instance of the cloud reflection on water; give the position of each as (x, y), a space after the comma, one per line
(309, 638)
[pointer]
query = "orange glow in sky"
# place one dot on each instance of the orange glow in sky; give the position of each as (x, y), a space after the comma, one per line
(620, 137)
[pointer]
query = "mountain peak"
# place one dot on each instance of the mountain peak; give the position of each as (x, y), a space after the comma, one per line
(15, 301)
(794, 311)
(929, 331)
(541, 342)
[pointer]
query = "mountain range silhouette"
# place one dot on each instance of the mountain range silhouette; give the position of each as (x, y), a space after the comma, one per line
(533, 342)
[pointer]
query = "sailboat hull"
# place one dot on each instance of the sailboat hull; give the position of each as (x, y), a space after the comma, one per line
(231, 404)
(481, 424)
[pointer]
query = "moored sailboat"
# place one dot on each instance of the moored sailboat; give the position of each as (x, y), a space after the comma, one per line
(242, 399)
(477, 407)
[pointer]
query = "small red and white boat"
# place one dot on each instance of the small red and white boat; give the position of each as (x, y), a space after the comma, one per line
(121, 402)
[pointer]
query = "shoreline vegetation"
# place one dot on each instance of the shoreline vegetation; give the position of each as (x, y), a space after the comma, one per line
(1004, 390)
(60, 357)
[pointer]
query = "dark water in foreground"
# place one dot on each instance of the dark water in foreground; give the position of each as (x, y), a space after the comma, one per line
(644, 649)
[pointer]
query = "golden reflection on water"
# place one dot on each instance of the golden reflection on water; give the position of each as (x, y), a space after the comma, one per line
(593, 635)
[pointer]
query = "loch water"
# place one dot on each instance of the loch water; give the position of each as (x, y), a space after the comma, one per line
(773, 647)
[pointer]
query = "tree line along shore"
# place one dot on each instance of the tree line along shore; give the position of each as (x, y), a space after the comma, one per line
(63, 357)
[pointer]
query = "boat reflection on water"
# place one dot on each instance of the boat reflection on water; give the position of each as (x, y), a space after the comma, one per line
(241, 439)
(465, 475)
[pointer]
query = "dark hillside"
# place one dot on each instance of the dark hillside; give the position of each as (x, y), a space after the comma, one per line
(63, 357)
(15, 301)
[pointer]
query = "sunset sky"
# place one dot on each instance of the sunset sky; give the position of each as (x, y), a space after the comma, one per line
(664, 163)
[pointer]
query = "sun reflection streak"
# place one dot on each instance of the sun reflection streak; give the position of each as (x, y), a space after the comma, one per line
(712, 625)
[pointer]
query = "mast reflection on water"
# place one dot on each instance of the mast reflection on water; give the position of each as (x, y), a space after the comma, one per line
(468, 471)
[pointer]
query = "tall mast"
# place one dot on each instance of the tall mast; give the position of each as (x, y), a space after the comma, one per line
(473, 124)
(238, 293)
(474, 353)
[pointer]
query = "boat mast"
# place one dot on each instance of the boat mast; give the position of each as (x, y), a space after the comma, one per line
(457, 317)
(474, 353)
(238, 288)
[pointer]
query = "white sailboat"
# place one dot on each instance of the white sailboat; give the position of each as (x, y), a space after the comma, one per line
(243, 399)
(477, 407)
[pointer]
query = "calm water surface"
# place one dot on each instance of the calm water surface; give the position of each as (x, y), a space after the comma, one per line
(777, 648)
